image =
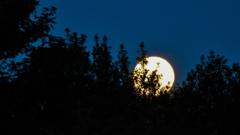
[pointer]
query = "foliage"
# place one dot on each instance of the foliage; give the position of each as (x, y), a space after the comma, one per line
(21, 26)
(146, 82)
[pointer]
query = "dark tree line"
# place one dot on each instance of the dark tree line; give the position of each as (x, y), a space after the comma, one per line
(60, 88)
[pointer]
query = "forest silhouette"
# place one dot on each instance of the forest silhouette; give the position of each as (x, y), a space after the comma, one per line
(60, 88)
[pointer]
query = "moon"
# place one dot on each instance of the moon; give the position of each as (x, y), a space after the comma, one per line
(154, 76)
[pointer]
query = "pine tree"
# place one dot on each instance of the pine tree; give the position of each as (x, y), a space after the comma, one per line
(123, 66)
(102, 62)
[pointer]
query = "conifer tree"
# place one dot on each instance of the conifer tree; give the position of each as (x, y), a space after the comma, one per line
(102, 63)
(123, 65)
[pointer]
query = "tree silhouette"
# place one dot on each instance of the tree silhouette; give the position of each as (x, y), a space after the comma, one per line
(21, 26)
(146, 81)
(207, 98)
(102, 62)
(123, 65)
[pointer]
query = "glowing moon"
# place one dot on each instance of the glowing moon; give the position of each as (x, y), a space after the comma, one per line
(153, 77)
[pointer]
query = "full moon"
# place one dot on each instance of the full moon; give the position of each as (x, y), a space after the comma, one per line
(153, 76)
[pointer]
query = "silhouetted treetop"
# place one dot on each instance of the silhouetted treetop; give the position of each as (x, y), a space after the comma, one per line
(102, 61)
(21, 25)
(211, 76)
(123, 65)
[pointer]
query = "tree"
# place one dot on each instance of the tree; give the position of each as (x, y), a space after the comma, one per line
(210, 77)
(206, 99)
(123, 65)
(55, 82)
(146, 82)
(21, 26)
(103, 67)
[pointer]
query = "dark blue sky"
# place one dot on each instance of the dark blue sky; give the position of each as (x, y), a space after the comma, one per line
(178, 30)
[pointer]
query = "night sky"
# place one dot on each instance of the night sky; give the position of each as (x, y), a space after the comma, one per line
(178, 30)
